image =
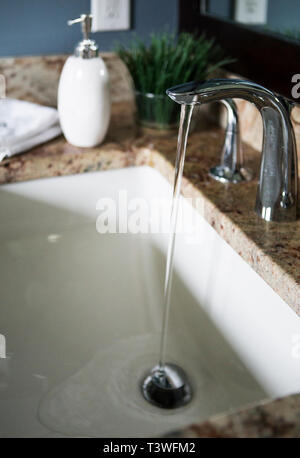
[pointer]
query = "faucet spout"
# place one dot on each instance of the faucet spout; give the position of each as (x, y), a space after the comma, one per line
(277, 191)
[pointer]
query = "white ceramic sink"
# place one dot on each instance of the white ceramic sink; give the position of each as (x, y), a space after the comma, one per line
(80, 315)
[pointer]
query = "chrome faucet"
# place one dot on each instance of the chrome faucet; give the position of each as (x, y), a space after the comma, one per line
(231, 169)
(277, 193)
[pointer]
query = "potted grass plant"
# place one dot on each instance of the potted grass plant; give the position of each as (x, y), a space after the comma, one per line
(163, 63)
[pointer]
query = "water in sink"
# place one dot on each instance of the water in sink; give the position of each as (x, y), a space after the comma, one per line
(89, 332)
(81, 315)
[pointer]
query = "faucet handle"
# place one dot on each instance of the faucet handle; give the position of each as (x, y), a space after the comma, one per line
(231, 168)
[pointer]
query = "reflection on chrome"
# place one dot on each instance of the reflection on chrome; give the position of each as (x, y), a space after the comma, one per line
(277, 190)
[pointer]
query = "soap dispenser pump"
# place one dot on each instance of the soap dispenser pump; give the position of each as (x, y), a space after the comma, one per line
(83, 92)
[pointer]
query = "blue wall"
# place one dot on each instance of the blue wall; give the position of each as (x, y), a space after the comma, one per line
(35, 27)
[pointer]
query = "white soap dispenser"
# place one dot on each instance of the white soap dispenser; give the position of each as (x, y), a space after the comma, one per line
(83, 92)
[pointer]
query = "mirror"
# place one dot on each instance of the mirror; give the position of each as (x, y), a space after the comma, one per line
(274, 16)
(262, 36)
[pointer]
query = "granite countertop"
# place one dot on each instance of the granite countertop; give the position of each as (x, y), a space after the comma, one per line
(271, 249)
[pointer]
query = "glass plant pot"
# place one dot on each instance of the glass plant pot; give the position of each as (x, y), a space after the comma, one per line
(157, 112)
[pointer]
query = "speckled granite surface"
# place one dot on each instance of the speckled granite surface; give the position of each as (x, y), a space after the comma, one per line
(271, 419)
(273, 250)
(35, 79)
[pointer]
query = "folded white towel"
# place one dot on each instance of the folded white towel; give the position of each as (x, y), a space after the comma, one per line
(29, 143)
(24, 125)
